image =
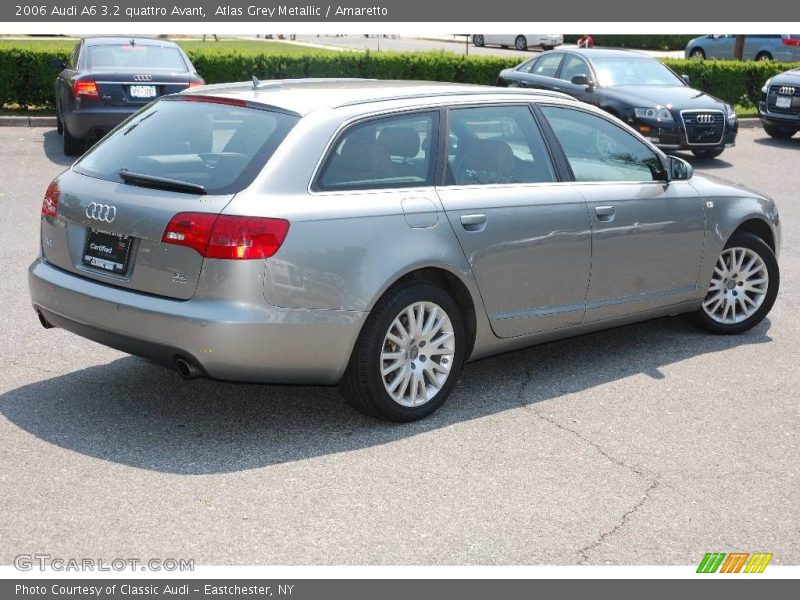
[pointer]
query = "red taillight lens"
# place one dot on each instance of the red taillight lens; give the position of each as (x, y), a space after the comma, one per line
(85, 89)
(792, 41)
(50, 202)
(226, 236)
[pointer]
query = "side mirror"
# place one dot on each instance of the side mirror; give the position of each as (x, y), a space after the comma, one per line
(58, 63)
(685, 78)
(582, 80)
(679, 169)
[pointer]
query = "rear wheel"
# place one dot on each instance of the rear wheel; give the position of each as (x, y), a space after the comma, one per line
(743, 286)
(778, 133)
(764, 56)
(712, 153)
(478, 40)
(408, 355)
(521, 43)
(546, 48)
(72, 146)
(59, 123)
(697, 53)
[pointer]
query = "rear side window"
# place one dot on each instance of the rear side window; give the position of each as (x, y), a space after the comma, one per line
(495, 145)
(135, 56)
(389, 152)
(221, 147)
(547, 65)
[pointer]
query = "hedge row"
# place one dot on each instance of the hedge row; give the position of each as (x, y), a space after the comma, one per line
(641, 42)
(27, 80)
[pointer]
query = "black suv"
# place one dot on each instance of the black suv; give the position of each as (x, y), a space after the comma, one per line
(638, 89)
(779, 107)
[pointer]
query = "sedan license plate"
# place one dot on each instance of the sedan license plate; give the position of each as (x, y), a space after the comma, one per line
(143, 91)
(783, 102)
(107, 251)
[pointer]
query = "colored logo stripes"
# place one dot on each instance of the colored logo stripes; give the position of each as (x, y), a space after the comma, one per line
(734, 562)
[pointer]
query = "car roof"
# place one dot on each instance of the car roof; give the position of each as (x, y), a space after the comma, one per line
(302, 96)
(108, 40)
(606, 53)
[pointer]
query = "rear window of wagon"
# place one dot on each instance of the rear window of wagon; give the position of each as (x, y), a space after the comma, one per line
(216, 145)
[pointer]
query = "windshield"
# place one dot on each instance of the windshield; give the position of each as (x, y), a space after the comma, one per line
(218, 146)
(633, 71)
(135, 56)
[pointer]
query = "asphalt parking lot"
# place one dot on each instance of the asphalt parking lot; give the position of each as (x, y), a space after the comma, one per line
(649, 444)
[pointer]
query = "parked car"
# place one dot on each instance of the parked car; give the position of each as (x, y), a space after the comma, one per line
(107, 79)
(518, 41)
(638, 89)
(779, 107)
(784, 47)
(411, 227)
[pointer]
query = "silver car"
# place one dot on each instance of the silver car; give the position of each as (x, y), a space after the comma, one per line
(380, 234)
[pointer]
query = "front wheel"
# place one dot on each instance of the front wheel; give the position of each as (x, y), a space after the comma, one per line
(714, 153)
(777, 133)
(743, 286)
(408, 355)
(521, 43)
(478, 40)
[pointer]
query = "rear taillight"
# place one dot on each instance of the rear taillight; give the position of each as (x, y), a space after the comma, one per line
(50, 202)
(227, 236)
(85, 89)
(792, 41)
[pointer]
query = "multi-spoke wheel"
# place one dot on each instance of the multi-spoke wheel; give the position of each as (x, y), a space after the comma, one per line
(743, 286)
(417, 354)
(408, 355)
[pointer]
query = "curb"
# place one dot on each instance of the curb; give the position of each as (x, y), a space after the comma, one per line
(23, 121)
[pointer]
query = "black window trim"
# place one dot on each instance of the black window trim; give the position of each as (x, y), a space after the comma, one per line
(330, 151)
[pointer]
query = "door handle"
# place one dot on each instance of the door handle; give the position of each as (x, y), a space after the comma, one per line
(605, 213)
(476, 222)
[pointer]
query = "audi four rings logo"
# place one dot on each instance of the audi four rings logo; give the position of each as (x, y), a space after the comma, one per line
(705, 119)
(101, 212)
(786, 89)
(143, 78)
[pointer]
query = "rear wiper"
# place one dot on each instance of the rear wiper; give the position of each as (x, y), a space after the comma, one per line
(160, 183)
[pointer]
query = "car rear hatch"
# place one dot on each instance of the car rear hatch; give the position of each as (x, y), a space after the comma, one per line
(113, 216)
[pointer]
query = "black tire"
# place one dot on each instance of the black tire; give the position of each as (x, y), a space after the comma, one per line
(521, 43)
(763, 56)
(478, 40)
(59, 123)
(72, 146)
(712, 153)
(760, 247)
(778, 133)
(362, 384)
(547, 48)
(697, 53)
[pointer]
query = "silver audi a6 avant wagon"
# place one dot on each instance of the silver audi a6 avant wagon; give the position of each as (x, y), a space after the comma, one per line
(380, 234)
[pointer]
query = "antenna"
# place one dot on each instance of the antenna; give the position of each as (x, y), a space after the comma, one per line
(256, 82)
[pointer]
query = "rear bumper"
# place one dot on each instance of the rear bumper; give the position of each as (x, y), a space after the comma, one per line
(96, 121)
(225, 340)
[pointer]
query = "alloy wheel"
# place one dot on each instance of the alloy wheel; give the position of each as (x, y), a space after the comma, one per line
(417, 354)
(738, 286)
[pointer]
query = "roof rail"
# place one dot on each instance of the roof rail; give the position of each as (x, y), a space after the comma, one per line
(479, 91)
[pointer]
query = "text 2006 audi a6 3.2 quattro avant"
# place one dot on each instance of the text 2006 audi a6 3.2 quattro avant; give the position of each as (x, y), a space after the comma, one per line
(379, 234)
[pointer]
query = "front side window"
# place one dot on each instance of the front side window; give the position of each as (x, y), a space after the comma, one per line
(218, 146)
(574, 65)
(388, 152)
(496, 144)
(598, 150)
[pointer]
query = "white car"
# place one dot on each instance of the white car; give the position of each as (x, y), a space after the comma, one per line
(519, 41)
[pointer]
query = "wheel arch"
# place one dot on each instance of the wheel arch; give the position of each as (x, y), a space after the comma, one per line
(757, 227)
(454, 285)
